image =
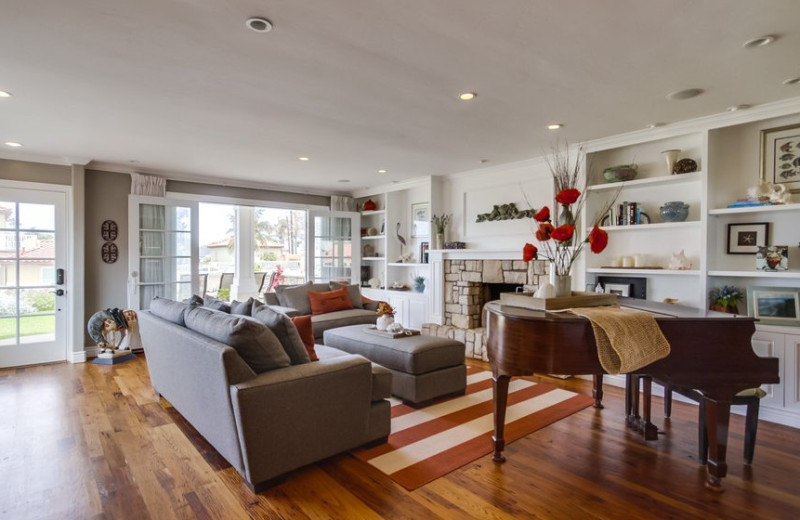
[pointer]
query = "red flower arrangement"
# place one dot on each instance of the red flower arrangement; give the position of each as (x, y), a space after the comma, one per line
(557, 239)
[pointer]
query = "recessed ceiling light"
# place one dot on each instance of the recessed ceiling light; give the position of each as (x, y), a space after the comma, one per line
(302, 159)
(791, 81)
(688, 93)
(467, 96)
(654, 125)
(484, 161)
(258, 24)
(759, 42)
(12, 144)
(343, 180)
(736, 108)
(3, 93)
(554, 126)
(382, 170)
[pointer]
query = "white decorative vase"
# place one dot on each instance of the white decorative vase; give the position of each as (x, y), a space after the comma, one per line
(670, 156)
(384, 321)
(562, 284)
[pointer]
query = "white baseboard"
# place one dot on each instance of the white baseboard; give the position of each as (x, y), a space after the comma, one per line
(82, 356)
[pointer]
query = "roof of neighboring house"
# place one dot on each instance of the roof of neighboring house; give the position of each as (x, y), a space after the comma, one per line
(46, 249)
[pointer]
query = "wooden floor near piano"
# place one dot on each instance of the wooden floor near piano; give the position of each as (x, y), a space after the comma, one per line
(129, 456)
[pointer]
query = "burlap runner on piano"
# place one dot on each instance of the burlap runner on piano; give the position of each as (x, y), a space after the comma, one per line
(626, 340)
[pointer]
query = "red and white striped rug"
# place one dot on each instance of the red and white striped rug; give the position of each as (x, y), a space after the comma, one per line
(430, 442)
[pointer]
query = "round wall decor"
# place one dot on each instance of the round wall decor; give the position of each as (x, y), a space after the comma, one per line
(109, 230)
(110, 253)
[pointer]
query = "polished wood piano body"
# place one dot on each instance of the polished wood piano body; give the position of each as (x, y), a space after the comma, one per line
(710, 352)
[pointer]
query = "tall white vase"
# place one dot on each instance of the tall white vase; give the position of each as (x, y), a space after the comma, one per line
(670, 156)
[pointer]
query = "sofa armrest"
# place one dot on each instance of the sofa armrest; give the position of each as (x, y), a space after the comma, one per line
(293, 416)
(372, 305)
(289, 311)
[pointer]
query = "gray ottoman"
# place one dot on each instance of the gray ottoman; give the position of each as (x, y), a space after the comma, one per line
(423, 367)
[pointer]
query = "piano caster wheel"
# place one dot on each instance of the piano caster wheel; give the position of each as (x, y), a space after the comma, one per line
(498, 458)
(598, 405)
(714, 485)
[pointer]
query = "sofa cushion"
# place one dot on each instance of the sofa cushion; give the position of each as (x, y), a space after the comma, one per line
(255, 343)
(243, 308)
(329, 301)
(306, 331)
(194, 300)
(332, 320)
(381, 377)
(353, 292)
(294, 296)
(169, 310)
(286, 332)
(217, 305)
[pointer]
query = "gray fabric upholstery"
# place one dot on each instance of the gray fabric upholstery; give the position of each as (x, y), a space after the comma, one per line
(217, 305)
(170, 310)
(287, 334)
(330, 320)
(270, 298)
(371, 306)
(254, 342)
(411, 354)
(381, 377)
(194, 300)
(424, 387)
(243, 308)
(295, 297)
(353, 293)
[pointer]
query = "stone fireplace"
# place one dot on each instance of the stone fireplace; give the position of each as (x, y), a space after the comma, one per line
(467, 284)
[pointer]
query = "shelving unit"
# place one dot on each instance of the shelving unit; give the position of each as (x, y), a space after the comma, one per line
(652, 227)
(772, 275)
(642, 272)
(660, 180)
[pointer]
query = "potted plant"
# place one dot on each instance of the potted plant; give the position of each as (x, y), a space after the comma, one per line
(419, 283)
(725, 299)
(440, 223)
(385, 316)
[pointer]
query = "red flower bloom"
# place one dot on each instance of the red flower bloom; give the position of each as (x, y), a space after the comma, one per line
(563, 233)
(568, 196)
(543, 215)
(529, 252)
(598, 240)
(545, 228)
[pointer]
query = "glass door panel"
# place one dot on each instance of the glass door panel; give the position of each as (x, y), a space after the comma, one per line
(333, 246)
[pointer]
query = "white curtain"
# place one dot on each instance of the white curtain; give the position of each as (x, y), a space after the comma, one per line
(152, 239)
(148, 185)
(342, 203)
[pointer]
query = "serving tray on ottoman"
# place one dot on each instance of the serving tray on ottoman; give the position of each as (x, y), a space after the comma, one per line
(394, 335)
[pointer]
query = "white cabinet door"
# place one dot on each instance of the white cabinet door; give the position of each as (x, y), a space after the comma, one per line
(400, 305)
(771, 344)
(418, 313)
(790, 376)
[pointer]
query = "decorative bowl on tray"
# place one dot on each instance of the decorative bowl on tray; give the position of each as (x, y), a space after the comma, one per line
(623, 172)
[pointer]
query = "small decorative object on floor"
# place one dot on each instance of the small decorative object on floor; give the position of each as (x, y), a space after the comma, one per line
(679, 262)
(385, 316)
(670, 156)
(772, 258)
(116, 332)
(557, 238)
(725, 299)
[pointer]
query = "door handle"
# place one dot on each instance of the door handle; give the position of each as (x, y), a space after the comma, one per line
(59, 292)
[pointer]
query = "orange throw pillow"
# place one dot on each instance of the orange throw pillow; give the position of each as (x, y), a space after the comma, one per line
(303, 325)
(330, 301)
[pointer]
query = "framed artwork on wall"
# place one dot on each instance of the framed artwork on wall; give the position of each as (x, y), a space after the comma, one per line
(624, 286)
(745, 238)
(774, 305)
(780, 156)
(420, 220)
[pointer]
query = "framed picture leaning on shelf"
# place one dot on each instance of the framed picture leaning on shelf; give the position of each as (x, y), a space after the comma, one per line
(780, 156)
(745, 238)
(420, 220)
(775, 305)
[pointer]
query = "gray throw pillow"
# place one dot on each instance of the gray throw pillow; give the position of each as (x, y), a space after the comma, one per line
(243, 308)
(217, 305)
(255, 343)
(295, 296)
(170, 310)
(353, 293)
(194, 300)
(287, 333)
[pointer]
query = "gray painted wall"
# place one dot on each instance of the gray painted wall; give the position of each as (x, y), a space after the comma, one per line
(248, 193)
(35, 172)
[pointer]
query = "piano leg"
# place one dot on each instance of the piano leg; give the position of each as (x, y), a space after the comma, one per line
(597, 390)
(649, 429)
(500, 402)
(718, 415)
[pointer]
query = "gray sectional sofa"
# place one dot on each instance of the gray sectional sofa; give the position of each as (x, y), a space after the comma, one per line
(266, 410)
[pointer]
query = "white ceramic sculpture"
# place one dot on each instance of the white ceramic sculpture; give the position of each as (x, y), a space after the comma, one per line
(546, 290)
(679, 262)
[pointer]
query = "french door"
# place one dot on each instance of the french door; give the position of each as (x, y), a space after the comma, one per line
(33, 259)
(163, 250)
(334, 246)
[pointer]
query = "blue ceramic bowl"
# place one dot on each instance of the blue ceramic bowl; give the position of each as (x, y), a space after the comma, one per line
(674, 211)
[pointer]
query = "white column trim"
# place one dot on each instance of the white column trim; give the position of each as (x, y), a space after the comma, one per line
(244, 281)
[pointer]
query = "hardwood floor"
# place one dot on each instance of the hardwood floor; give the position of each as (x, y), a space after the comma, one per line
(91, 441)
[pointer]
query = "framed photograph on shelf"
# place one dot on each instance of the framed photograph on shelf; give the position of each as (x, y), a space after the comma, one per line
(423, 252)
(745, 238)
(772, 258)
(780, 156)
(420, 220)
(624, 286)
(774, 305)
(620, 289)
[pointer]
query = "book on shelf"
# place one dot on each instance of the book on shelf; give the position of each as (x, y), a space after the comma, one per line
(625, 214)
(745, 203)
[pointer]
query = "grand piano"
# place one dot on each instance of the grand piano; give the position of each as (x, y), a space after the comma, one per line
(710, 352)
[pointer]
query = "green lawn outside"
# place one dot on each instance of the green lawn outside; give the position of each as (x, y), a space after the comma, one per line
(29, 326)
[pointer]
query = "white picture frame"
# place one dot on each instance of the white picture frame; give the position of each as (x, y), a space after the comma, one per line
(620, 289)
(420, 220)
(774, 305)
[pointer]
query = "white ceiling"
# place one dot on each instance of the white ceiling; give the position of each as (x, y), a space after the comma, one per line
(183, 88)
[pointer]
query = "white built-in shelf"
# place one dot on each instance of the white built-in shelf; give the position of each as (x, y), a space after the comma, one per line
(373, 212)
(374, 258)
(373, 237)
(657, 225)
(755, 209)
(403, 264)
(755, 274)
(652, 181)
(659, 272)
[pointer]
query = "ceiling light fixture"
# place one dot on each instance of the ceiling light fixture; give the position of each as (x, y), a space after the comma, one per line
(554, 126)
(343, 180)
(302, 159)
(736, 108)
(258, 24)
(3, 93)
(680, 95)
(761, 41)
(382, 170)
(12, 144)
(467, 96)
(791, 81)
(654, 125)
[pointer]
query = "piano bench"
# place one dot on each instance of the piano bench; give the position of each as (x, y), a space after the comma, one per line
(750, 398)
